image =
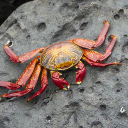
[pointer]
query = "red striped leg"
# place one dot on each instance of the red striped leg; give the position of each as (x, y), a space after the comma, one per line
(44, 84)
(22, 58)
(85, 43)
(108, 50)
(95, 64)
(96, 56)
(22, 79)
(30, 86)
(102, 34)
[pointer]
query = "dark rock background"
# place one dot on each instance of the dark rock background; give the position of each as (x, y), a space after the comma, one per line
(8, 6)
(96, 103)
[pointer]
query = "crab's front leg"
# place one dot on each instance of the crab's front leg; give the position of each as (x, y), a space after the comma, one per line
(22, 58)
(80, 74)
(30, 86)
(59, 81)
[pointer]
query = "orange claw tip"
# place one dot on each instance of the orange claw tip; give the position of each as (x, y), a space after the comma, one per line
(79, 82)
(112, 36)
(106, 22)
(28, 100)
(64, 88)
(4, 95)
(117, 63)
(68, 86)
(76, 67)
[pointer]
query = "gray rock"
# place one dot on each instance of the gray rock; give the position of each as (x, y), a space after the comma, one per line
(96, 103)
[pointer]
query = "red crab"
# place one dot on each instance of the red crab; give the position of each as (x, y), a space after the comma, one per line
(57, 57)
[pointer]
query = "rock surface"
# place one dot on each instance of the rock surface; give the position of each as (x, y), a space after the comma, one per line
(96, 103)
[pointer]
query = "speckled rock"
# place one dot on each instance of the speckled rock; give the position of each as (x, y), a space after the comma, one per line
(96, 103)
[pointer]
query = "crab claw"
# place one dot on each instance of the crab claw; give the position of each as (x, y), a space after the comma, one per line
(59, 81)
(80, 74)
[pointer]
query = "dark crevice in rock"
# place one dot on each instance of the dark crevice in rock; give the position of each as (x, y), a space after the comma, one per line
(96, 124)
(48, 118)
(121, 12)
(83, 25)
(73, 104)
(41, 27)
(81, 90)
(66, 31)
(125, 47)
(109, 38)
(116, 16)
(102, 107)
(65, 8)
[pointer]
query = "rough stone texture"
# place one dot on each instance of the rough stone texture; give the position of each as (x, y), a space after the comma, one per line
(95, 103)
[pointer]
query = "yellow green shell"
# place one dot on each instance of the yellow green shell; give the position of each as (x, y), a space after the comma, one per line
(61, 56)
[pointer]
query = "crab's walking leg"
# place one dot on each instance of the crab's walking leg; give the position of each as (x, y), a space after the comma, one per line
(44, 84)
(108, 50)
(22, 58)
(95, 64)
(22, 79)
(96, 56)
(30, 86)
(59, 81)
(80, 74)
(85, 43)
(102, 34)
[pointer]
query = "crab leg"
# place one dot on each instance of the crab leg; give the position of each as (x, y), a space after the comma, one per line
(90, 44)
(80, 74)
(22, 79)
(95, 64)
(108, 50)
(92, 55)
(59, 81)
(22, 58)
(96, 56)
(30, 86)
(102, 34)
(44, 84)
